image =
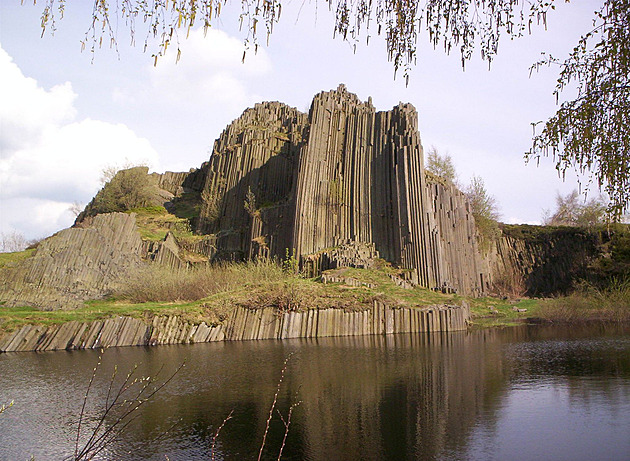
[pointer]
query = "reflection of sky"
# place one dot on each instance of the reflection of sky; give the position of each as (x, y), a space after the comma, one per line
(569, 419)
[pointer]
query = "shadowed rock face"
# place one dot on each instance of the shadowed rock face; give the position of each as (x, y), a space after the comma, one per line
(345, 173)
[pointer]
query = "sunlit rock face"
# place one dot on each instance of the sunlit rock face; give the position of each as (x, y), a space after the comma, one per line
(279, 180)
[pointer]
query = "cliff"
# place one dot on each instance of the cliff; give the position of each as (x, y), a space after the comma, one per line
(281, 181)
(343, 185)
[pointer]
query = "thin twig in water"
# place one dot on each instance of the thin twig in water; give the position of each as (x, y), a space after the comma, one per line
(216, 434)
(101, 437)
(287, 423)
(85, 398)
(273, 405)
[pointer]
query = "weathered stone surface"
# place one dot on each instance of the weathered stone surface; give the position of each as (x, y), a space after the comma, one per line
(244, 324)
(75, 264)
(539, 261)
(344, 174)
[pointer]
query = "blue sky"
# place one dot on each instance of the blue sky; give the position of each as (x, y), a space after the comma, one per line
(66, 115)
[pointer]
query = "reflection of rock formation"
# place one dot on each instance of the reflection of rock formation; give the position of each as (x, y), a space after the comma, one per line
(371, 398)
(419, 396)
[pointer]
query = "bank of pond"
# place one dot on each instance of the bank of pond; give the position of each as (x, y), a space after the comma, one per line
(241, 324)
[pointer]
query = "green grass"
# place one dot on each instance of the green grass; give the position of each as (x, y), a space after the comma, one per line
(10, 259)
(494, 312)
(210, 293)
(12, 318)
(155, 222)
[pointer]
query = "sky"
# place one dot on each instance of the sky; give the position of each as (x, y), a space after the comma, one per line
(65, 115)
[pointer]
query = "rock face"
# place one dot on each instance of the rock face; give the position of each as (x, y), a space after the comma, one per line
(539, 261)
(243, 324)
(280, 182)
(75, 264)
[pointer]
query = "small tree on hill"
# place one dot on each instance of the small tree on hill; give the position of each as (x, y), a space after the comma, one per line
(571, 210)
(127, 189)
(12, 241)
(485, 211)
(441, 165)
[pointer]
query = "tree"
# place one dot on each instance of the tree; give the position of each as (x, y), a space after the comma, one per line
(591, 133)
(571, 211)
(76, 208)
(453, 24)
(12, 241)
(127, 189)
(588, 133)
(485, 211)
(441, 165)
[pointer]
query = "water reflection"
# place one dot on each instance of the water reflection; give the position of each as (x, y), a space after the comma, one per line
(445, 396)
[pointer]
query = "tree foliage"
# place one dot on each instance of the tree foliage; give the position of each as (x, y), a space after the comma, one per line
(12, 241)
(591, 133)
(484, 209)
(451, 24)
(441, 165)
(572, 210)
(127, 189)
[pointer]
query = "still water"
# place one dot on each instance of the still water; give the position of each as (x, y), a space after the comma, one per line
(530, 393)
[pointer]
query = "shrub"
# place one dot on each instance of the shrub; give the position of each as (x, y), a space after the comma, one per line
(128, 189)
(158, 283)
(590, 303)
(485, 211)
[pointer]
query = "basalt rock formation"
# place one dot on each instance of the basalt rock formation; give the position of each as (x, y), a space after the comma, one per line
(282, 182)
(243, 324)
(75, 264)
(343, 185)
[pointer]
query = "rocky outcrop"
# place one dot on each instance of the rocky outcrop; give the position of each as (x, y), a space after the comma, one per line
(455, 253)
(280, 182)
(75, 264)
(542, 261)
(243, 324)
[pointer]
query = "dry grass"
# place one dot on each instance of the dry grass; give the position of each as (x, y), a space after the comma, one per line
(589, 303)
(160, 284)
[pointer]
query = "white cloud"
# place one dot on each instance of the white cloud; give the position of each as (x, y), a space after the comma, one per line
(210, 69)
(26, 107)
(48, 158)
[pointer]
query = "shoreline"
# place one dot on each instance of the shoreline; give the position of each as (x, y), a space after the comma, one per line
(242, 325)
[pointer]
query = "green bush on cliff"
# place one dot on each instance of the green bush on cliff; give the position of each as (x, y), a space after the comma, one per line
(128, 189)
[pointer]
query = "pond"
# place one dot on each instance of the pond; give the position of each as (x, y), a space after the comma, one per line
(526, 393)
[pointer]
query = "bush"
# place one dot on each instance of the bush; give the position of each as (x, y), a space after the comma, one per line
(128, 189)
(161, 284)
(485, 211)
(441, 165)
(589, 303)
(571, 211)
